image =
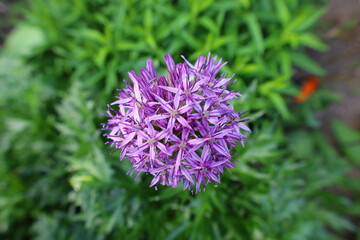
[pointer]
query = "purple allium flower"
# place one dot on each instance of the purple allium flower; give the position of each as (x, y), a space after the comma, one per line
(180, 128)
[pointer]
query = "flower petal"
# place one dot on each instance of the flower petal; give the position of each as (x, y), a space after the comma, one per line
(158, 117)
(177, 100)
(164, 104)
(197, 141)
(184, 109)
(162, 148)
(183, 122)
(127, 139)
(170, 89)
(185, 172)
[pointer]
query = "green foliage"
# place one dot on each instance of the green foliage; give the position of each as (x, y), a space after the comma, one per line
(349, 138)
(58, 180)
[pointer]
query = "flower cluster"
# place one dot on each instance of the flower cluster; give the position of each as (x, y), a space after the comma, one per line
(179, 128)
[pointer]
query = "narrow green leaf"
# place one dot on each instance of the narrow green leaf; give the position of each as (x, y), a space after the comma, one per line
(306, 63)
(310, 40)
(282, 11)
(309, 17)
(245, 3)
(93, 34)
(148, 19)
(221, 41)
(349, 140)
(209, 24)
(177, 231)
(204, 4)
(255, 31)
(280, 105)
(191, 40)
(100, 56)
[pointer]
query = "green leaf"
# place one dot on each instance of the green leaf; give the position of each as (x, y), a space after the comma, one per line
(191, 40)
(177, 231)
(100, 56)
(204, 4)
(111, 79)
(309, 16)
(209, 24)
(285, 63)
(245, 3)
(93, 35)
(148, 19)
(282, 10)
(280, 105)
(349, 140)
(306, 63)
(255, 31)
(310, 40)
(24, 39)
(127, 46)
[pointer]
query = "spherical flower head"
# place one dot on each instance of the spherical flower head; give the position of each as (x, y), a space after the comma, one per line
(181, 127)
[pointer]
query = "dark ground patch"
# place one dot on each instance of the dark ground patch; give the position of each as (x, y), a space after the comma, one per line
(340, 29)
(8, 14)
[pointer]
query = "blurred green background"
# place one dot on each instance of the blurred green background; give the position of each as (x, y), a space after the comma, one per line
(62, 62)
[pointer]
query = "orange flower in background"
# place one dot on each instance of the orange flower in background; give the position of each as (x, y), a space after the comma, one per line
(308, 88)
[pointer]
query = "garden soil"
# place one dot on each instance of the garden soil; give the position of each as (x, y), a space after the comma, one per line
(340, 29)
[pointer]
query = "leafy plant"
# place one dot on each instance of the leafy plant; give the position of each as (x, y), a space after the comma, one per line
(58, 180)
